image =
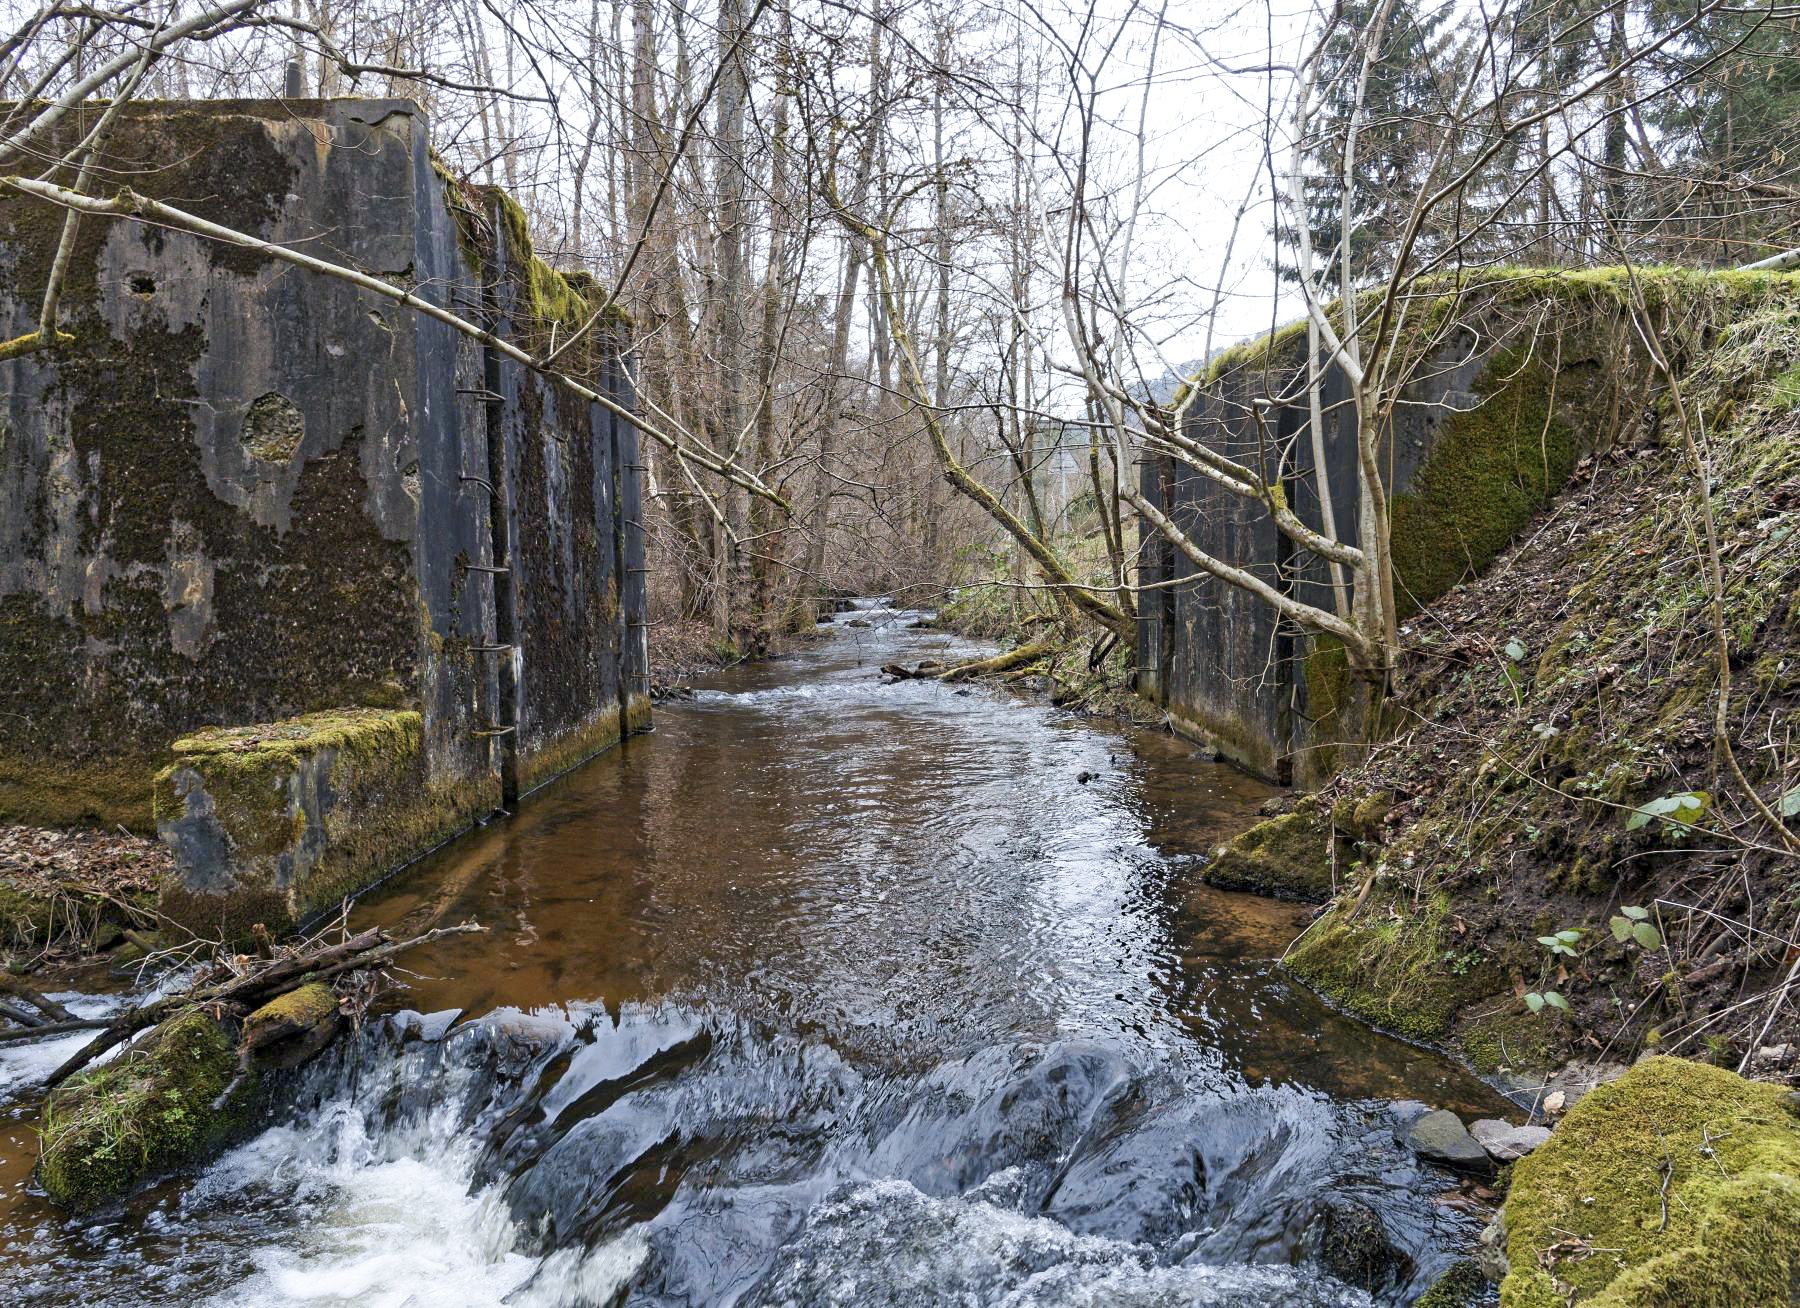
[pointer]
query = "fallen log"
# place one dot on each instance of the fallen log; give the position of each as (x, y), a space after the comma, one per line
(1012, 658)
(12, 1034)
(900, 672)
(44, 1004)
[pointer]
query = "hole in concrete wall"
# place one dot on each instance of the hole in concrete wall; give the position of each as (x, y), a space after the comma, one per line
(273, 428)
(141, 283)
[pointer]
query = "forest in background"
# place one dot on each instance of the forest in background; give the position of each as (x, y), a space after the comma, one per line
(914, 286)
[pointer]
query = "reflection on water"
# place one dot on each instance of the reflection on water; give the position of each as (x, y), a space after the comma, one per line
(849, 992)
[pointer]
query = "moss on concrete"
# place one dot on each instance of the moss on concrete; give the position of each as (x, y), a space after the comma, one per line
(1585, 1213)
(637, 713)
(548, 760)
(301, 813)
(1491, 467)
(552, 302)
(48, 792)
(1289, 856)
(147, 1113)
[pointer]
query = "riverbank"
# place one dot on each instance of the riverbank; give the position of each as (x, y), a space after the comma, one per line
(70, 893)
(1577, 849)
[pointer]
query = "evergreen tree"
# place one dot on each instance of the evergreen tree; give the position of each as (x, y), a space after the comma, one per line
(1394, 141)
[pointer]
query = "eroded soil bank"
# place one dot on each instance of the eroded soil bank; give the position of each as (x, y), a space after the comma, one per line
(1580, 848)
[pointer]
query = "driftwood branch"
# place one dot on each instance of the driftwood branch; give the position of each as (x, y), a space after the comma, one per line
(307, 962)
(1012, 658)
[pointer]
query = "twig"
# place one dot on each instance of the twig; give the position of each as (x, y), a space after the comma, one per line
(12, 1035)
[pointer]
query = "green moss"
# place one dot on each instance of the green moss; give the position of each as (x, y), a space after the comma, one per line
(1387, 967)
(1729, 1150)
(568, 749)
(552, 302)
(249, 772)
(48, 792)
(637, 713)
(1463, 1286)
(312, 809)
(1288, 856)
(1506, 1035)
(73, 915)
(25, 918)
(1327, 670)
(302, 1008)
(148, 1112)
(1491, 467)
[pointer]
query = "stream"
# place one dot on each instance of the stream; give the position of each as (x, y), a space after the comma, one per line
(827, 992)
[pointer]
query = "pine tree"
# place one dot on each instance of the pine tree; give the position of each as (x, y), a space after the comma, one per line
(1394, 140)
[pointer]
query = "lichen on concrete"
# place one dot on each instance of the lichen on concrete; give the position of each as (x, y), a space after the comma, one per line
(1675, 1186)
(146, 1113)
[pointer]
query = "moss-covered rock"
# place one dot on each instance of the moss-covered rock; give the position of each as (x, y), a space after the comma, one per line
(1462, 1286)
(1288, 856)
(1675, 1186)
(1386, 965)
(147, 1113)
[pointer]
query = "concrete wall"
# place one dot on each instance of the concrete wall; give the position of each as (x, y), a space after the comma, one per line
(1482, 437)
(246, 494)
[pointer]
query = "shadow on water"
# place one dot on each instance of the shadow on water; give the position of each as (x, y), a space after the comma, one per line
(829, 991)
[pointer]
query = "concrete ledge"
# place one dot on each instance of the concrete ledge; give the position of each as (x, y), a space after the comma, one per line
(279, 821)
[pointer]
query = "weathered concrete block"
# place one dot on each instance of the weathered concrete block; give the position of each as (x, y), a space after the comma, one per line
(1487, 430)
(277, 822)
(243, 493)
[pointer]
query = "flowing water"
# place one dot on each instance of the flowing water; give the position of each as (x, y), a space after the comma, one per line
(830, 991)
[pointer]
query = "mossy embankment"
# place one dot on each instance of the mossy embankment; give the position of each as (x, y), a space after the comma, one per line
(1554, 707)
(1575, 842)
(1543, 707)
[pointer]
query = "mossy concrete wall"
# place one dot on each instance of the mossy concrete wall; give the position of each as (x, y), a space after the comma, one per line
(1499, 411)
(243, 493)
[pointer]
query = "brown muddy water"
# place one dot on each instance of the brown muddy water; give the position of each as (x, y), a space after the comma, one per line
(828, 991)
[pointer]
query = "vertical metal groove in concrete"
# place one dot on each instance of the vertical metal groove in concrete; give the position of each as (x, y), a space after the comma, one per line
(510, 666)
(610, 382)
